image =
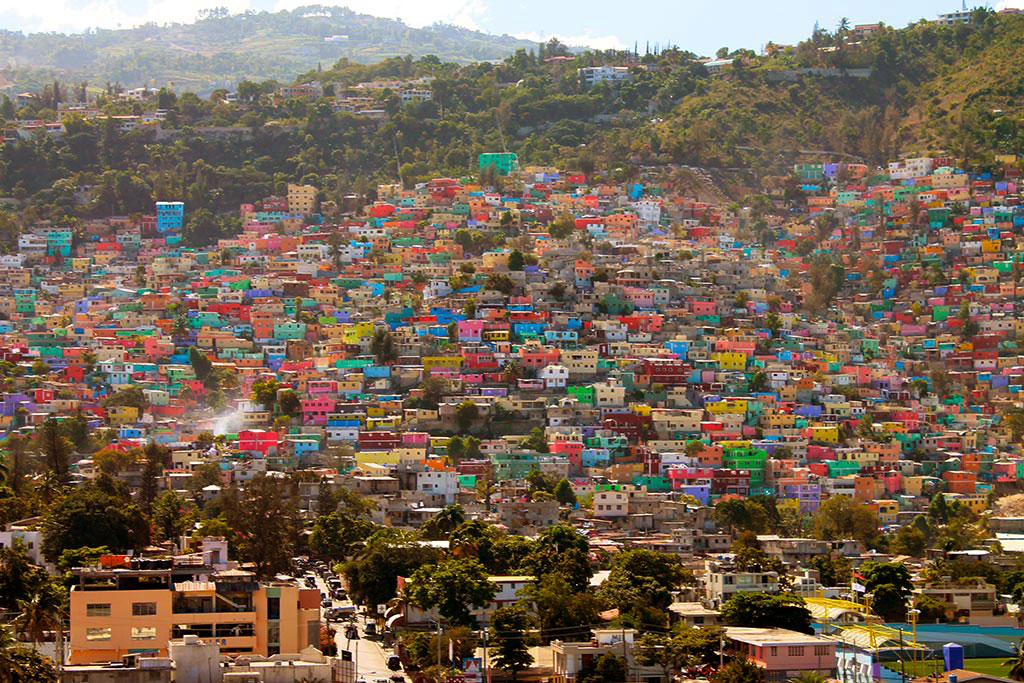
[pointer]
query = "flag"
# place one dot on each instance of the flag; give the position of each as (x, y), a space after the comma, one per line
(858, 587)
(858, 576)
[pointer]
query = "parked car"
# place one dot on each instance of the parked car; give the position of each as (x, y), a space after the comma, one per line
(394, 663)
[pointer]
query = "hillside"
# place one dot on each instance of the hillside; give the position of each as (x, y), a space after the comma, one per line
(218, 51)
(922, 89)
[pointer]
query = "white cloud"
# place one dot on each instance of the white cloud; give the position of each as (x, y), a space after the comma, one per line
(76, 15)
(415, 13)
(606, 42)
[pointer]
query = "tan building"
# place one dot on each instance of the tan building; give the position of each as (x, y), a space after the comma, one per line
(301, 199)
(137, 609)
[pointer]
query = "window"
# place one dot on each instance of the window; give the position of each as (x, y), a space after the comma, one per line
(100, 633)
(143, 609)
(821, 650)
(98, 610)
(774, 650)
(796, 650)
(143, 632)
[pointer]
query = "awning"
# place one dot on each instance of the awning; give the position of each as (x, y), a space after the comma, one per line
(395, 620)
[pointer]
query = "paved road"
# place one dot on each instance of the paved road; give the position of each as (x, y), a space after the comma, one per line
(370, 656)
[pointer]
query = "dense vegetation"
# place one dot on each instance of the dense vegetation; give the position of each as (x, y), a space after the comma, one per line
(220, 48)
(931, 88)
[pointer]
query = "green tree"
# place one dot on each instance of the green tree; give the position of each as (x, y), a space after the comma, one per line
(172, 516)
(289, 403)
(739, 670)
(335, 535)
(264, 514)
(466, 413)
(19, 578)
(908, 540)
(19, 664)
(641, 582)
(42, 612)
(842, 517)
(561, 612)
(1016, 662)
(264, 392)
(606, 668)
(443, 523)
(516, 260)
(201, 364)
(372, 576)
(509, 626)
(563, 492)
(56, 448)
(763, 610)
(383, 346)
(90, 516)
(454, 587)
(890, 582)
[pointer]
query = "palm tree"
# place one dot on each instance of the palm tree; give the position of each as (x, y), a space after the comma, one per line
(1016, 663)
(809, 677)
(43, 612)
(10, 663)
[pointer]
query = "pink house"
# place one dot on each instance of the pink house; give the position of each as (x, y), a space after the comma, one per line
(316, 410)
(471, 330)
(258, 441)
(782, 653)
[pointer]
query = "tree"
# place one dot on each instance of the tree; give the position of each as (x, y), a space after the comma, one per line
(335, 534)
(1016, 662)
(20, 664)
(289, 403)
(909, 540)
(641, 582)
(741, 515)
(890, 582)
(561, 612)
(372, 577)
(739, 670)
(773, 322)
(202, 365)
(466, 413)
(443, 523)
(90, 516)
(156, 457)
(56, 448)
(768, 611)
(43, 611)
(563, 492)
(129, 396)
(264, 392)
(454, 587)
(608, 668)
(383, 346)
(516, 260)
(508, 638)
(19, 578)
(842, 517)
(172, 516)
(263, 512)
(500, 282)
(833, 571)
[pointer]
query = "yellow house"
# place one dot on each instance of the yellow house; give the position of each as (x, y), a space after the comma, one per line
(449, 362)
(825, 434)
(119, 415)
(734, 406)
(730, 360)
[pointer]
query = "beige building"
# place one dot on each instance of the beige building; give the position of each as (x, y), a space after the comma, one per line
(139, 608)
(301, 199)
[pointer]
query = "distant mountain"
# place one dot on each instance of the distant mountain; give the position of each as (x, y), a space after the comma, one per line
(220, 50)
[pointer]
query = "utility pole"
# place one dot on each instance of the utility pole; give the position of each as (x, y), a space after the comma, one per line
(439, 649)
(903, 661)
(487, 671)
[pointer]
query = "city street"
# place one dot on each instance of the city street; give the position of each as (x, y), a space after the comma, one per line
(370, 656)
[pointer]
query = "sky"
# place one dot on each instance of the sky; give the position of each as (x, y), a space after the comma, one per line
(696, 25)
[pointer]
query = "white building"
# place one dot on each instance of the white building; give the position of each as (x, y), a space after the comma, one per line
(439, 483)
(591, 75)
(555, 376)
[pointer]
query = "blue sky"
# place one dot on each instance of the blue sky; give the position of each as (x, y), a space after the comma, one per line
(691, 24)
